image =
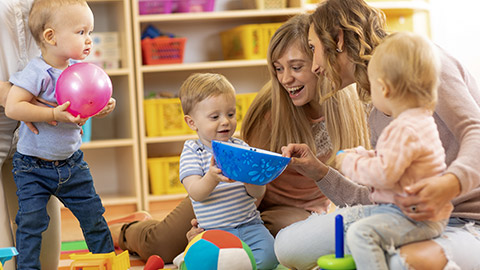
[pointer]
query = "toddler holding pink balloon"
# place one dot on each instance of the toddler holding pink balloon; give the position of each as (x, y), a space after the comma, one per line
(50, 162)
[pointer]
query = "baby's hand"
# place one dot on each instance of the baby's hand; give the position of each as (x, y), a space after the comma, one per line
(107, 109)
(216, 173)
(61, 114)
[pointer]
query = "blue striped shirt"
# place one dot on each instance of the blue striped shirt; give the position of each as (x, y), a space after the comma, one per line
(229, 204)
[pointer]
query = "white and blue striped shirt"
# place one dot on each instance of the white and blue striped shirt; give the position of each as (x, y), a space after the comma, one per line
(229, 204)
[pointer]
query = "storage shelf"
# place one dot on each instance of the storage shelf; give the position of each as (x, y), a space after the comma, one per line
(103, 1)
(115, 199)
(107, 144)
(117, 72)
(389, 5)
(167, 197)
(203, 65)
(177, 138)
(202, 30)
(167, 139)
(220, 15)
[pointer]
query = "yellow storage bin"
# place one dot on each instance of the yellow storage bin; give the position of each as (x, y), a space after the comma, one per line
(164, 175)
(243, 42)
(249, 41)
(268, 31)
(164, 117)
(243, 103)
(265, 4)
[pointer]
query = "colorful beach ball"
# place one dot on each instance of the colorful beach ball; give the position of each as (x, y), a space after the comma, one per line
(218, 250)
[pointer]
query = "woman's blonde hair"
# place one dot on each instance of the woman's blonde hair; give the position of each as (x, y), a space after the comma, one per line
(200, 86)
(363, 29)
(42, 14)
(287, 123)
(409, 65)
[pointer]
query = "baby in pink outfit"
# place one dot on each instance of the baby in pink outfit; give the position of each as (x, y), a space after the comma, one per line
(403, 75)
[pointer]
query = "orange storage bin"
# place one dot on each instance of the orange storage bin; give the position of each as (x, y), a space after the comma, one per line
(164, 117)
(163, 50)
(164, 175)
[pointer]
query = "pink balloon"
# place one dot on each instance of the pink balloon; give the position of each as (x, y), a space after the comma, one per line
(86, 86)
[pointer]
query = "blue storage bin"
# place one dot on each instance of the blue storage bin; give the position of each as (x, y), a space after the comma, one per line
(87, 131)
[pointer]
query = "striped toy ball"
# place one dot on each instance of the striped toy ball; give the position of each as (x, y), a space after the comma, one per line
(217, 250)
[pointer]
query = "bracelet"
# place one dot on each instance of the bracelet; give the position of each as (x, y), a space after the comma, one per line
(340, 152)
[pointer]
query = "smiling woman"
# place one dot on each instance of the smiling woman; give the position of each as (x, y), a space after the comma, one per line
(290, 109)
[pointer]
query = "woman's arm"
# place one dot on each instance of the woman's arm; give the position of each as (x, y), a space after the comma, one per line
(334, 185)
(255, 191)
(19, 107)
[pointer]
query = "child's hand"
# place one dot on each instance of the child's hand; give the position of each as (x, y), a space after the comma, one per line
(194, 231)
(61, 114)
(215, 173)
(107, 109)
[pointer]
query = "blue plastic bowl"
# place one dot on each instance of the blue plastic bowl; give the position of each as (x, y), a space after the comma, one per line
(248, 164)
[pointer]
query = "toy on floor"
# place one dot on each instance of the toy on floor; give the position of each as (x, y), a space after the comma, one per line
(7, 254)
(86, 86)
(100, 261)
(217, 250)
(338, 260)
(154, 262)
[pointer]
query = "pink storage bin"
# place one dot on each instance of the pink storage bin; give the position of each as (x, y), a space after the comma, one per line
(154, 6)
(195, 5)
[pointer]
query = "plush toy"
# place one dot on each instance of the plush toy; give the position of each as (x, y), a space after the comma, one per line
(217, 250)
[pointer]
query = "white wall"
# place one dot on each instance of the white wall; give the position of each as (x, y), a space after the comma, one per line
(456, 27)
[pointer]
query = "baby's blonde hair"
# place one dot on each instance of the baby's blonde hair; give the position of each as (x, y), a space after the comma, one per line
(42, 14)
(409, 65)
(200, 86)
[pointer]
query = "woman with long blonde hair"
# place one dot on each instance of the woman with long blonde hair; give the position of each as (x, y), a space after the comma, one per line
(343, 35)
(293, 107)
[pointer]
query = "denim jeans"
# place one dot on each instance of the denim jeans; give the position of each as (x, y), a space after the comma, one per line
(71, 182)
(260, 241)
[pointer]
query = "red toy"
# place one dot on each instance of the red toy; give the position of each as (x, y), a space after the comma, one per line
(154, 262)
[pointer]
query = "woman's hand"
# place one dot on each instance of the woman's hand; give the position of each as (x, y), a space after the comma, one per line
(194, 231)
(426, 198)
(107, 109)
(4, 89)
(304, 161)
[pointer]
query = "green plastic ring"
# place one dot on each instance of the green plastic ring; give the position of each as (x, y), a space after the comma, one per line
(329, 262)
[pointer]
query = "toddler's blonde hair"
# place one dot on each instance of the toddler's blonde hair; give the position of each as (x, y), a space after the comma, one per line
(200, 86)
(408, 63)
(42, 13)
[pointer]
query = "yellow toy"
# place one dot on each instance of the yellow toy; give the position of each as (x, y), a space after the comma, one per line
(101, 261)
(6, 254)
